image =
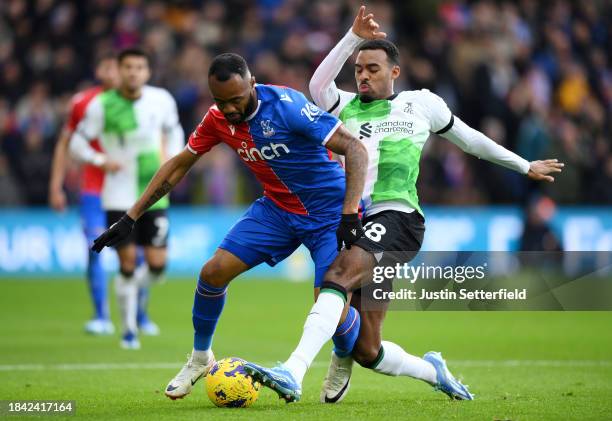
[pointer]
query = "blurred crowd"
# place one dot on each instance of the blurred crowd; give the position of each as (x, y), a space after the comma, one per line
(535, 76)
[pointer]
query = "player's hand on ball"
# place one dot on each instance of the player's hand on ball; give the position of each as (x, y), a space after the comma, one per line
(539, 170)
(118, 232)
(366, 27)
(349, 230)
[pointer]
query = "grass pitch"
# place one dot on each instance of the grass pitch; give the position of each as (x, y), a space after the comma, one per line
(521, 365)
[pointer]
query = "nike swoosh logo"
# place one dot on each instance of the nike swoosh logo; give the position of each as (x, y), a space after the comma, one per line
(196, 380)
(339, 395)
(170, 388)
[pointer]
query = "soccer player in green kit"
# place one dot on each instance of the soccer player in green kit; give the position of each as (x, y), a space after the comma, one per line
(394, 128)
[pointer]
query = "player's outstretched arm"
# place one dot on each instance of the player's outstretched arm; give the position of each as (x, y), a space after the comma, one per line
(356, 165)
(444, 123)
(163, 181)
(57, 197)
(322, 86)
(476, 143)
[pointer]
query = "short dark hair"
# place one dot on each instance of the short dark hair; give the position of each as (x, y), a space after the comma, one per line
(382, 44)
(227, 64)
(105, 55)
(133, 52)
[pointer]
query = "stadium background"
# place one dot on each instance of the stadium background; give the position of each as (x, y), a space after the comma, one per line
(535, 76)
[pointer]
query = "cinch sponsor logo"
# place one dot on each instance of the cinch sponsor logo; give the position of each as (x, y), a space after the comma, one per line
(266, 153)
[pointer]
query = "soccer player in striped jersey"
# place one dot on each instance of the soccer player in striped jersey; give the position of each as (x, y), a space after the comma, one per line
(139, 129)
(92, 178)
(285, 141)
(394, 128)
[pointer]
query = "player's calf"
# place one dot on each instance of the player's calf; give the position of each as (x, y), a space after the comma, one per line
(366, 354)
(126, 290)
(208, 303)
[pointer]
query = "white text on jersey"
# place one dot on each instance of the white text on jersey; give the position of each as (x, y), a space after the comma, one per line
(265, 153)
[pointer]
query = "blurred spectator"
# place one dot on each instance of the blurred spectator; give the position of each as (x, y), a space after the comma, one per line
(35, 166)
(534, 76)
(537, 235)
(11, 195)
(35, 111)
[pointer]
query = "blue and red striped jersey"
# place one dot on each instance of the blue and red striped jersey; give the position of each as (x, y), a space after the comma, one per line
(283, 144)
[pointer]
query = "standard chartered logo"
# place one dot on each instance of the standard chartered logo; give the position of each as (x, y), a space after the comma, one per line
(365, 130)
(394, 126)
(265, 153)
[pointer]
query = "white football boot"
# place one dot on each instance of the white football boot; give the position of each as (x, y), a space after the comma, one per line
(129, 341)
(149, 328)
(99, 327)
(338, 380)
(181, 385)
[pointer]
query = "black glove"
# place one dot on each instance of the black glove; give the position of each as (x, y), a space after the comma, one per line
(118, 232)
(349, 230)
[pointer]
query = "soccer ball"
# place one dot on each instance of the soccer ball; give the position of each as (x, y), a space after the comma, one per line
(228, 385)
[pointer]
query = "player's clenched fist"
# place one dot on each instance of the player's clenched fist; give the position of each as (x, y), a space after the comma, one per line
(349, 230)
(118, 232)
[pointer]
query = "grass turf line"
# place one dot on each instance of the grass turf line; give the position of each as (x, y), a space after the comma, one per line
(41, 323)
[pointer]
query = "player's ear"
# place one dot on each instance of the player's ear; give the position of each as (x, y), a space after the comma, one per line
(395, 72)
(253, 81)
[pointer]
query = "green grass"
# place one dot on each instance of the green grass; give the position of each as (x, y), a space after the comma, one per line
(564, 369)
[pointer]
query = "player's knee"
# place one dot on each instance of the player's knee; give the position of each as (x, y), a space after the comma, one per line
(156, 263)
(365, 353)
(342, 275)
(212, 273)
(157, 270)
(155, 275)
(127, 271)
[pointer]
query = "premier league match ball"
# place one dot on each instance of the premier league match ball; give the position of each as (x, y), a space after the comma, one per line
(228, 385)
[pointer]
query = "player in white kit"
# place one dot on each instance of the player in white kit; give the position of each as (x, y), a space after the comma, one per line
(394, 128)
(139, 130)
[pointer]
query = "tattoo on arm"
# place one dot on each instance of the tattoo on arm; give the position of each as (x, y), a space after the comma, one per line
(356, 164)
(356, 167)
(158, 194)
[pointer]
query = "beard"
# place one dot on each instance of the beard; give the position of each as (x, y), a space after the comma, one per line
(238, 117)
(251, 106)
(366, 98)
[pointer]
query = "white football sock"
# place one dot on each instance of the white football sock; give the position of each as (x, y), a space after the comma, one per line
(201, 357)
(397, 362)
(145, 278)
(127, 299)
(320, 326)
